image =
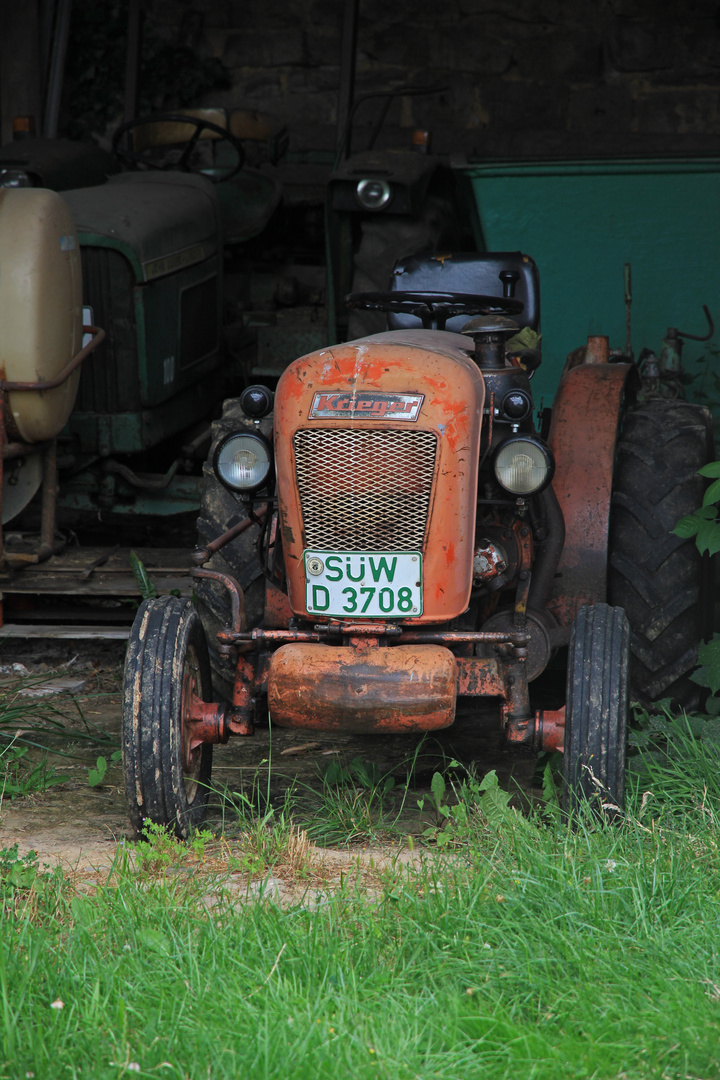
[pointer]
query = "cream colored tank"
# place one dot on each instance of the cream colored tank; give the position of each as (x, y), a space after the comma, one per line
(40, 308)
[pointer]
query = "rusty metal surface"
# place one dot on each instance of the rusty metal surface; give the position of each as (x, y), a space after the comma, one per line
(202, 722)
(240, 716)
(585, 422)
(550, 730)
(597, 350)
(277, 613)
(202, 555)
(19, 449)
(237, 598)
(373, 689)
(453, 394)
(480, 677)
(457, 637)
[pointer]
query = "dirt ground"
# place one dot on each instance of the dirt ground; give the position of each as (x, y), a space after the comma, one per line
(79, 826)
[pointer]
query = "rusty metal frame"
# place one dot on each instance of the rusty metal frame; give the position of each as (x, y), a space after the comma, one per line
(503, 677)
(48, 448)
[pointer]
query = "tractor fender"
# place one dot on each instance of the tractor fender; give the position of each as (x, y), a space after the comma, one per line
(586, 419)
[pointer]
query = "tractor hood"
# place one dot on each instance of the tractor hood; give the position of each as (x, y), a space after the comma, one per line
(162, 222)
(376, 445)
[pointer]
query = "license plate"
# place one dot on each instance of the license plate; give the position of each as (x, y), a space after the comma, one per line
(368, 584)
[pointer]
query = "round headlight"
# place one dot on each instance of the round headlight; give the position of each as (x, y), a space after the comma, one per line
(523, 466)
(15, 178)
(242, 462)
(373, 194)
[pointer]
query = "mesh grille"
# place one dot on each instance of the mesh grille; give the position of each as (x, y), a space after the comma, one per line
(364, 490)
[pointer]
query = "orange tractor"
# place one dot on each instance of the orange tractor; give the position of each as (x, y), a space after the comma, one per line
(388, 534)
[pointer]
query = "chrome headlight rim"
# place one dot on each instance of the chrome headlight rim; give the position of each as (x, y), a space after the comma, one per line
(519, 441)
(362, 194)
(14, 177)
(252, 437)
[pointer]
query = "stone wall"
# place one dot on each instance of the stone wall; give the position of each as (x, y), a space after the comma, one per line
(520, 75)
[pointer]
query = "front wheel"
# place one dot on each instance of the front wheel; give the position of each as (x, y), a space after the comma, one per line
(596, 711)
(166, 663)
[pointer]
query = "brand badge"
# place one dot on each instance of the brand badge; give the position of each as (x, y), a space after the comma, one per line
(367, 405)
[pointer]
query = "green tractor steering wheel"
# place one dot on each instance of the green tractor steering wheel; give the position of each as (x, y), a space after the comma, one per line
(139, 159)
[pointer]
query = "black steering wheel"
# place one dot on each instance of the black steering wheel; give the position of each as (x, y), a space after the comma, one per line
(141, 160)
(434, 309)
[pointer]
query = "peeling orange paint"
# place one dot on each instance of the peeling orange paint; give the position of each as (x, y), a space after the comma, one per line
(454, 416)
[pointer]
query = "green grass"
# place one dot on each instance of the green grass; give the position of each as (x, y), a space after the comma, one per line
(527, 948)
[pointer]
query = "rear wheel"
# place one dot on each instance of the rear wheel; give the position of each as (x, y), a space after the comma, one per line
(596, 711)
(166, 662)
(660, 579)
(220, 510)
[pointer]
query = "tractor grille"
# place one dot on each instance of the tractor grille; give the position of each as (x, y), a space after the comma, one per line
(109, 378)
(364, 490)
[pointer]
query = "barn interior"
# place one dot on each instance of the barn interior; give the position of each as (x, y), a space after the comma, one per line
(347, 135)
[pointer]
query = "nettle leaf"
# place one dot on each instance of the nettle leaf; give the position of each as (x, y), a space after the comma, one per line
(687, 526)
(708, 538)
(709, 657)
(711, 469)
(712, 495)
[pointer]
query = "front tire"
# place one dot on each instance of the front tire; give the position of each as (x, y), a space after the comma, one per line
(167, 657)
(596, 711)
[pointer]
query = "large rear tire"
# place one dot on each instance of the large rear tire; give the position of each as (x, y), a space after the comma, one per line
(167, 659)
(661, 580)
(220, 510)
(596, 711)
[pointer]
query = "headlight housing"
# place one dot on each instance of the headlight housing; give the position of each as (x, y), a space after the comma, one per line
(373, 193)
(523, 465)
(15, 178)
(243, 461)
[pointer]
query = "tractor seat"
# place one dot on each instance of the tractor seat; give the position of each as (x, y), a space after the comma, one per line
(476, 273)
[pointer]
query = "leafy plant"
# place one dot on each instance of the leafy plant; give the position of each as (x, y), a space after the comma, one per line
(97, 775)
(17, 872)
(704, 525)
(147, 589)
(476, 802)
(18, 778)
(157, 850)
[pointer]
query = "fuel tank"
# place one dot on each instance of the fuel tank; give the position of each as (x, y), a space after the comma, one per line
(376, 450)
(335, 688)
(40, 308)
